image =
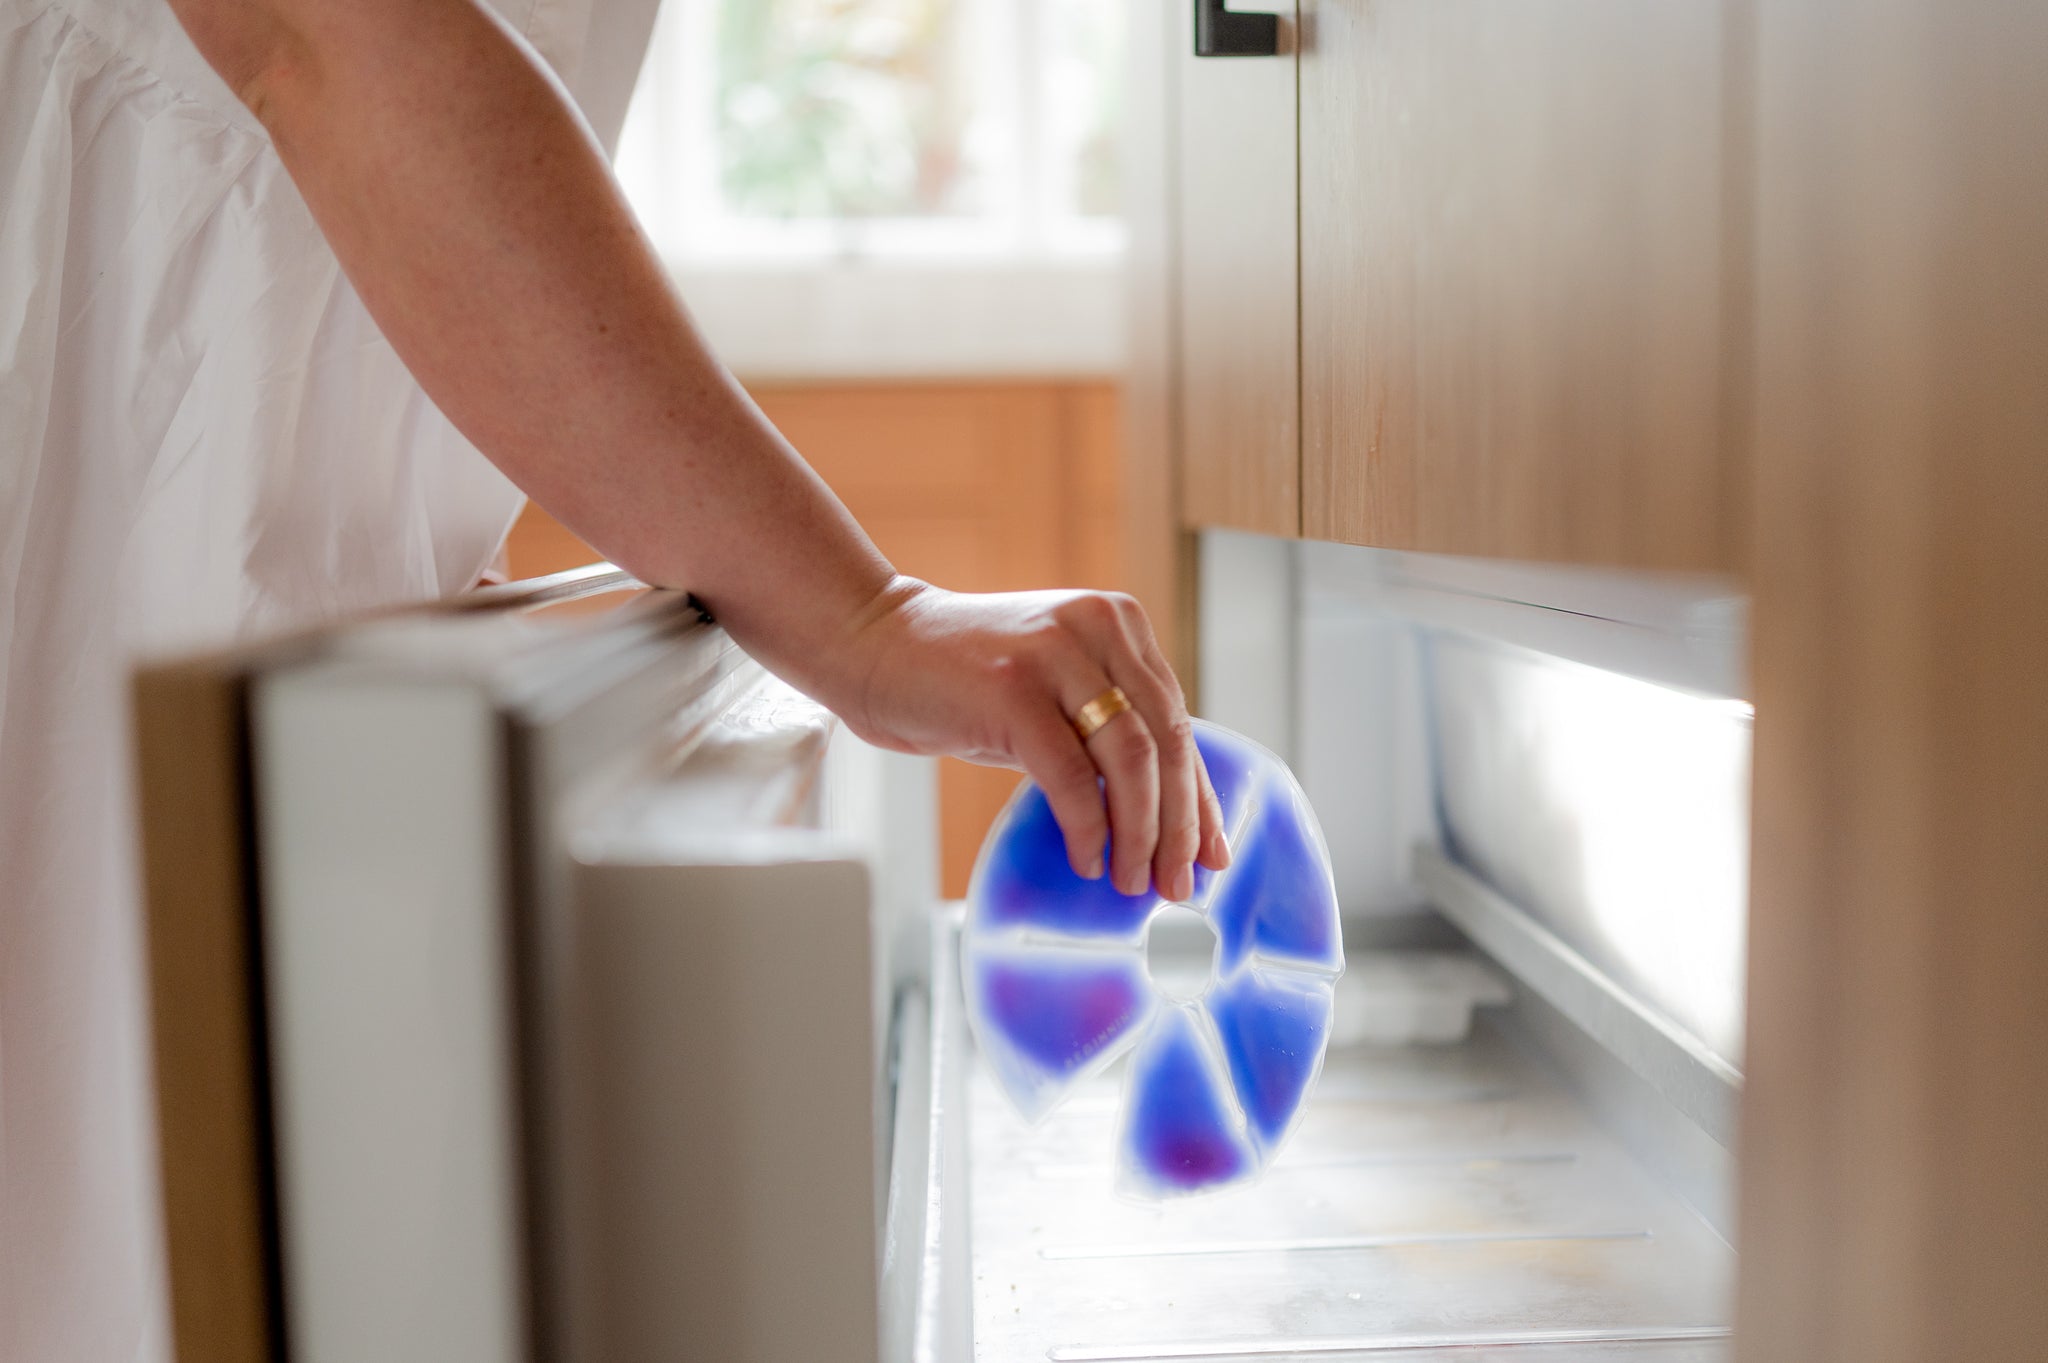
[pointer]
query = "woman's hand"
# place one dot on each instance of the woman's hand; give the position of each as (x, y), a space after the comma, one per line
(996, 678)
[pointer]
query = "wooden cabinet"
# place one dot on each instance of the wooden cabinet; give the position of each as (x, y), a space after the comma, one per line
(1239, 409)
(1514, 278)
(1466, 276)
(1895, 1200)
(1531, 319)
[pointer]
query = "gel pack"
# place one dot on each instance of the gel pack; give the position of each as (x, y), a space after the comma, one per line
(1057, 985)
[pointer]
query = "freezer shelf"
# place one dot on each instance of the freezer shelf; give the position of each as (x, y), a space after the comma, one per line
(1437, 1203)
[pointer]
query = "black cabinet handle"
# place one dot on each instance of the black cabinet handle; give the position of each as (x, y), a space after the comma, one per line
(1220, 32)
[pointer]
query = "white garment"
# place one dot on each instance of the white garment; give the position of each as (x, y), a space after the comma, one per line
(202, 436)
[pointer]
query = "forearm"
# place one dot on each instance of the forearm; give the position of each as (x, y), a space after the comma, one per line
(479, 222)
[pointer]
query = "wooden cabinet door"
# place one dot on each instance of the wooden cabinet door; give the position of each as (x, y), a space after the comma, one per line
(1240, 427)
(1894, 1202)
(1515, 273)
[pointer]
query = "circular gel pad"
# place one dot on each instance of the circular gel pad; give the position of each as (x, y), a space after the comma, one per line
(1057, 986)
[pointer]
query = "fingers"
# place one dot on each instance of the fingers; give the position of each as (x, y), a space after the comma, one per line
(1158, 701)
(1053, 756)
(1213, 838)
(1115, 629)
(1154, 801)
(1124, 752)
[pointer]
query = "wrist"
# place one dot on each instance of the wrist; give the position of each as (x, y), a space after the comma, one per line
(873, 632)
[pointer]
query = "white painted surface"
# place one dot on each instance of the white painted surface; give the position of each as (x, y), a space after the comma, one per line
(1684, 630)
(1364, 754)
(1247, 637)
(734, 988)
(1613, 811)
(903, 319)
(731, 1046)
(389, 1018)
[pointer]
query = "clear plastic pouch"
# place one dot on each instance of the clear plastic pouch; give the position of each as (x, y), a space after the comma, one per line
(1058, 988)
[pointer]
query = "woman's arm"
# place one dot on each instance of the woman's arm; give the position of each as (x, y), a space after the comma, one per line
(480, 223)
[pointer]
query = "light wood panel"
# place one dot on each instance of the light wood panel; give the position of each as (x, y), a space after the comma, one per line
(539, 545)
(213, 1115)
(1512, 276)
(1240, 413)
(1894, 1205)
(1158, 552)
(919, 466)
(975, 486)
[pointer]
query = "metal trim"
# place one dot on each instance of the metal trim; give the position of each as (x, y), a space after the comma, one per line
(1380, 1344)
(1695, 1080)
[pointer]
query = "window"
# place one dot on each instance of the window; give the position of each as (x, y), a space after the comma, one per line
(789, 130)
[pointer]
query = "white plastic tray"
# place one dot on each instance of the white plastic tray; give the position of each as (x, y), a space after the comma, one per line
(1437, 1203)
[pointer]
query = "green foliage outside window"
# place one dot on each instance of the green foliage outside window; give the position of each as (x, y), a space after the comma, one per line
(851, 109)
(1084, 86)
(843, 109)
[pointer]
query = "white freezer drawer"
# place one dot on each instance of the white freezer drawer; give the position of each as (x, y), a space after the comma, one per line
(727, 1092)
(727, 1095)
(740, 1113)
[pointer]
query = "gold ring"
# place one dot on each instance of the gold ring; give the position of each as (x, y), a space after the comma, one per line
(1088, 721)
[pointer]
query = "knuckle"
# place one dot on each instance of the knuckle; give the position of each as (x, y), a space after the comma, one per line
(1138, 621)
(1068, 768)
(1090, 610)
(1136, 744)
(1047, 643)
(1086, 824)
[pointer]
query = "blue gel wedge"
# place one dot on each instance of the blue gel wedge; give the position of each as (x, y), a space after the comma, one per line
(1273, 1025)
(1032, 887)
(1278, 900)
(1181, 1131)
(1057, 986)
(1055, 1016)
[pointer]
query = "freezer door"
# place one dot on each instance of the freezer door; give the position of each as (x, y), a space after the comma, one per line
(729, 1006)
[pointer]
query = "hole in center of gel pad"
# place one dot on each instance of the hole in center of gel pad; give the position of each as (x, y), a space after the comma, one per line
(1180, 949)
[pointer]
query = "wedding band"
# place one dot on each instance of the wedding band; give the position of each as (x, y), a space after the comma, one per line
(1089, 720)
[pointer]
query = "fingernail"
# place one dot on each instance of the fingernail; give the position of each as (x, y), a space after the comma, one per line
(1094, 871)
(1219, 852)
(1134, 883)
(1183, 885)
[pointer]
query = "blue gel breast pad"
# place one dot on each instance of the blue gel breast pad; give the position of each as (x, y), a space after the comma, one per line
(1057, 987)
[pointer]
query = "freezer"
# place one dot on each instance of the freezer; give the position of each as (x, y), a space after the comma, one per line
(538, 979)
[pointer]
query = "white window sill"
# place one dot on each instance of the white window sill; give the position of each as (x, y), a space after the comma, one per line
(911, 320)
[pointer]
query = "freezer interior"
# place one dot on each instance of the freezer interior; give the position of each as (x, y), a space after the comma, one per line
(1533, 782)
